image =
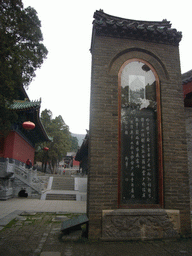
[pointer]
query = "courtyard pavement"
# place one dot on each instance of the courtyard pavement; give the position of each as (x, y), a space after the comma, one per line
(25, 204)
(36, 231)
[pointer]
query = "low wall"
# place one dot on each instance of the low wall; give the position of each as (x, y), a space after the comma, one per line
(80, 185)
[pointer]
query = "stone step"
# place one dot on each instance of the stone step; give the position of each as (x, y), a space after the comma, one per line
(57, 186)
(63, 183)
(68, 197)
(60, 183)
(62, 188)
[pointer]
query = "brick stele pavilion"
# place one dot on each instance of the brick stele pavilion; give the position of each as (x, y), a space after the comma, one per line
(138, 183)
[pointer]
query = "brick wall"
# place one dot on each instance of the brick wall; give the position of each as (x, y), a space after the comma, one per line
(108, 55)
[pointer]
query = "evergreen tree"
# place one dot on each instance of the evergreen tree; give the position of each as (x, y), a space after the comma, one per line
(21, 53)
(61, 140)
(74, 144)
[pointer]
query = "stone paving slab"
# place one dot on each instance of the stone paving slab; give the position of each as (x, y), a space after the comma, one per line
(4, 221)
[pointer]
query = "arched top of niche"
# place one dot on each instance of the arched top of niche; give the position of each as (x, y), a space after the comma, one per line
(138, 53)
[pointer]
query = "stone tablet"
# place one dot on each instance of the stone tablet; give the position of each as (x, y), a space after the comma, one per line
(73, 224)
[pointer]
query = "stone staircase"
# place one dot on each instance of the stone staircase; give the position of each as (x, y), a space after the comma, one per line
(66, 197)
(63, 183)
(62, 189)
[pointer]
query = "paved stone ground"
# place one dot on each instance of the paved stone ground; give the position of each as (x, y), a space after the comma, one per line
(31, 227)
(25, 204)
(39, 234)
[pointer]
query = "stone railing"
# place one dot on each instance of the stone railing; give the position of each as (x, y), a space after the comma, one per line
(28, 176)
(6, 168)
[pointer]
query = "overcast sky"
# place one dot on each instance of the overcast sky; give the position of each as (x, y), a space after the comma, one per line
(63, 82)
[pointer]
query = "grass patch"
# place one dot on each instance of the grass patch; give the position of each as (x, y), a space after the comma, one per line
(68, 215)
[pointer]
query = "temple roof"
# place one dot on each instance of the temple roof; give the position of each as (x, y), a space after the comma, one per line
(83, 150)
(29, 111)
(25, 104)
(22, 93)
(187, 77)
(187, 88)
(153, 31)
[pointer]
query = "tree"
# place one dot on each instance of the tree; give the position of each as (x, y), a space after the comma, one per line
(61, 139)
(21, 52)
(74, 144)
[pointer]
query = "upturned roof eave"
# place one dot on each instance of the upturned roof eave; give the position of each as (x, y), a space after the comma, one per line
(34, 107)
(101, 14)
(19, 105)
(42, 128)
(150, 31)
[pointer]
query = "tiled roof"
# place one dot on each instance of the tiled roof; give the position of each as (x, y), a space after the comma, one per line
(187, 77)
(160, 32)
(32, 109)
(24, 105)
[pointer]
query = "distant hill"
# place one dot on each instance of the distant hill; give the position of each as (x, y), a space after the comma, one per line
(80, 138)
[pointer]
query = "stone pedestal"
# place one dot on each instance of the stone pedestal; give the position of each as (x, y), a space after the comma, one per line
(136, 224)
(6, 193)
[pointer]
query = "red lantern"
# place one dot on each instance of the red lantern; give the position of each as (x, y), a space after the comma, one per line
(45, 149)
(28, 125)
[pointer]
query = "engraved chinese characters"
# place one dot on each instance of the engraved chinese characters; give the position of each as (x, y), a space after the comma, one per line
(138, 135)
(139, 161)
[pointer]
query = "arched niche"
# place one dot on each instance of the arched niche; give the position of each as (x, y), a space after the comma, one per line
(140, 171)
(139, 53)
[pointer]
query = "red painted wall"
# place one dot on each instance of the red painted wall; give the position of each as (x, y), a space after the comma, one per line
(17, 148)
(2, 140)
(187, 88)
(75, 163)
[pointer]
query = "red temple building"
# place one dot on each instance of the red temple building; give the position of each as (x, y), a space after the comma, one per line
(18, 146)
